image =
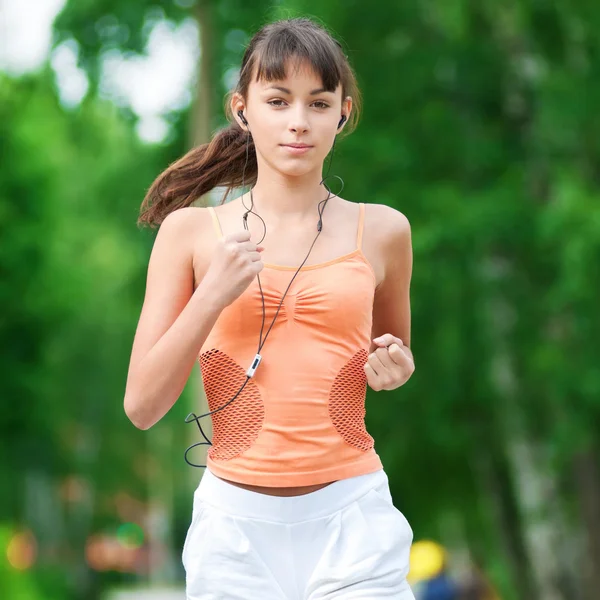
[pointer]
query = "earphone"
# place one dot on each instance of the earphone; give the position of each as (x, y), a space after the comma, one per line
(257, 358)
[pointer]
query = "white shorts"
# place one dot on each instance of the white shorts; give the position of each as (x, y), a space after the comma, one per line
(344, 541)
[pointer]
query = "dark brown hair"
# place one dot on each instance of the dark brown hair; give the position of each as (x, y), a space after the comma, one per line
(221, 161)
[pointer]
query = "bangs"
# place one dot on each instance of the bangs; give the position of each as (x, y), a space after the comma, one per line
(281, 49)
(281, 52)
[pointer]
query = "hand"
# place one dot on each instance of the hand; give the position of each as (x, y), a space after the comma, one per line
(234, 265)
(390, 366)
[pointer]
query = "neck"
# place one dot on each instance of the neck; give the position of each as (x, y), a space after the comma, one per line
(284, 198)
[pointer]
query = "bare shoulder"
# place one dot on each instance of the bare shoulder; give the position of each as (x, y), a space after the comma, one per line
(173, 233)
(188, 224)
(183, 221)
(389, 223)
(387, 234)
(195, 225)
(183, 234)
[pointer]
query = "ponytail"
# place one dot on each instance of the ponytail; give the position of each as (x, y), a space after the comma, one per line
(217, 163)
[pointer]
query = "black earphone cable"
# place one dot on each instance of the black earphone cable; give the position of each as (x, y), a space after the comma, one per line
(250, 373)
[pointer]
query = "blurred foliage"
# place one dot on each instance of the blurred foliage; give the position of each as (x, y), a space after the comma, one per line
(480, 124)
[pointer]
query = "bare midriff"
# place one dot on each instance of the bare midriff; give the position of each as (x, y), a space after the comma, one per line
(279, 491)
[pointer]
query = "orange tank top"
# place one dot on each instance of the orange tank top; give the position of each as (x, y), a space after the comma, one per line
(300, 419)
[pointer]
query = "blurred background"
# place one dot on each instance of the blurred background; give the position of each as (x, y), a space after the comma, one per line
(480, 123)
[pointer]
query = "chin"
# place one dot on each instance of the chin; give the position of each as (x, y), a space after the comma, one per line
(295, 168)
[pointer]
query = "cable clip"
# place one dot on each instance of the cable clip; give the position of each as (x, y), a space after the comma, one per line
(252, 368)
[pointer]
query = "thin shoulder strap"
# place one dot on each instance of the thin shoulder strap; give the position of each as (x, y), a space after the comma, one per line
(361, 224)
(216, 223)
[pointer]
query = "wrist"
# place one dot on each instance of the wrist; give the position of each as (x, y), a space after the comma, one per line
(209, 298)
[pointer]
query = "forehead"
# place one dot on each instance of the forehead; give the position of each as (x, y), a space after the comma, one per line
(298, 75)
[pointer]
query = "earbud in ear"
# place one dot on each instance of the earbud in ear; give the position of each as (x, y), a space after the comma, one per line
(342, 121)
(242, 117)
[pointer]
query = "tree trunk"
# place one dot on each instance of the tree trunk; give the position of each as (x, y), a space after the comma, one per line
(587, 483)
(202, 109)
(199, 133)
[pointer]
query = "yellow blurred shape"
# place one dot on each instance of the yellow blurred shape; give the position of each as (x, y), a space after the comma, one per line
(21, 550)
(427, 559)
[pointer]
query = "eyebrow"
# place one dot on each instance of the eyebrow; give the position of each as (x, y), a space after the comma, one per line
(286, 91)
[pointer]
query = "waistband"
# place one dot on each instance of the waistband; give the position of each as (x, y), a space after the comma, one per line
(289, 509)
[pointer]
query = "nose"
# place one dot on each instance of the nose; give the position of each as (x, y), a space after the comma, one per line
(298, 121)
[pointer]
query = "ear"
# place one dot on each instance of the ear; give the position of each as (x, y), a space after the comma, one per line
(237, 104)
(346, 110)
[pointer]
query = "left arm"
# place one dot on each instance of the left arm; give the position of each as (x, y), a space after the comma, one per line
(390, 363)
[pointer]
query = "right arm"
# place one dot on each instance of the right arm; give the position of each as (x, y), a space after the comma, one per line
(176, 320)
(174, 323)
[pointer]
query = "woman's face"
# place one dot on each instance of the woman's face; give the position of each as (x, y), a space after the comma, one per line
(295, 110)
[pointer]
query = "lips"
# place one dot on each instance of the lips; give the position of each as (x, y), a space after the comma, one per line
(297, 145)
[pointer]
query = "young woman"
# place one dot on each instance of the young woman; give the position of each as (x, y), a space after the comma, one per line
(293, 300)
